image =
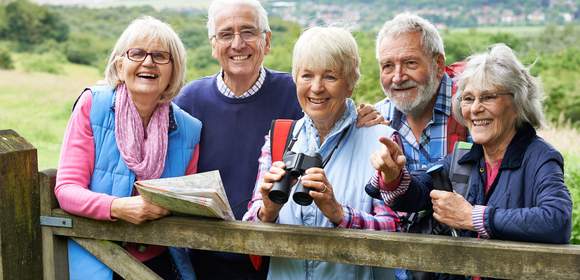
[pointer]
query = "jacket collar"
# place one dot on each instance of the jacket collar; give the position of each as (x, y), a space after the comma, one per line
(514, 154)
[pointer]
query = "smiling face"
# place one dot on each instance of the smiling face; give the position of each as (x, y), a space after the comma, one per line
(239, 59)
(492, 125)
(409, 76)
(322, 95)
(145, 79)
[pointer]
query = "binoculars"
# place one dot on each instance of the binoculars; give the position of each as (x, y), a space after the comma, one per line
(440, 178)
(441, 181)
(296, 165)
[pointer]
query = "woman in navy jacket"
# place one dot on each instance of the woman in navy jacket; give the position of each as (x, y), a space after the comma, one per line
(517, 189)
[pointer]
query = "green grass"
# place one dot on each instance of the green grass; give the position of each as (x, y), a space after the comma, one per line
(38, 105)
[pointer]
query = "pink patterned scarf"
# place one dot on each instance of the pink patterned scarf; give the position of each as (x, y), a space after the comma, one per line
(144, 156)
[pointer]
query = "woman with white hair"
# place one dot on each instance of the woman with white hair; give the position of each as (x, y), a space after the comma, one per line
(325, 68)
(516, 184)
(125, 131)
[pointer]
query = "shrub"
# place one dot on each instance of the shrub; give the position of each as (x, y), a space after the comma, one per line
(31, 24)
(6, 60)
(81, 52)
(50, 62)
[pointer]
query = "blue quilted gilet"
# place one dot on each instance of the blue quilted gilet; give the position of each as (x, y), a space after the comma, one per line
(112, 176)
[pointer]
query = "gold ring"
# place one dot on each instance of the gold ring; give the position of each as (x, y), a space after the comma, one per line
(324, 190)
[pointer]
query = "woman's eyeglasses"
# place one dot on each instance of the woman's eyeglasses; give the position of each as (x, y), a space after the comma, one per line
(484, 99)
(139, 55)
(249, 35)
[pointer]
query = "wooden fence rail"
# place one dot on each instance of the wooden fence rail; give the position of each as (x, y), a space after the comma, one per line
(467, 256)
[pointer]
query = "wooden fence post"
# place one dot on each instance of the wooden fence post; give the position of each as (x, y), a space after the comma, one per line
(20, 239)
(54, 247)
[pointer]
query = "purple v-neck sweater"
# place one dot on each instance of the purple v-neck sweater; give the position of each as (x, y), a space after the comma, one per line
(233, 129)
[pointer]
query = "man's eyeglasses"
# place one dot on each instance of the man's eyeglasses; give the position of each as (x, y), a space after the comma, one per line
(484, 99)
(249, 35)
(139, 55)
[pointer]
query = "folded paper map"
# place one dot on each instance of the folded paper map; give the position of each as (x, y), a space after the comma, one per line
(199, 194)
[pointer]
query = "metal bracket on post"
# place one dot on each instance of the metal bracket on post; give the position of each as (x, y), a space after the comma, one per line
(55, 222)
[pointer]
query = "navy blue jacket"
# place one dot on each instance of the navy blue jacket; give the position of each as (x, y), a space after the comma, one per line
(528, 200)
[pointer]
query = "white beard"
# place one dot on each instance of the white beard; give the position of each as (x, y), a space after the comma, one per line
(416, 106)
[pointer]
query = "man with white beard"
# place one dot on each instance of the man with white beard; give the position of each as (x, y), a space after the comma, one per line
(414, 79)
(418, 104)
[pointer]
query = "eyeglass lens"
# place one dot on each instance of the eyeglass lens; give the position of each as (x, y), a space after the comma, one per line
(139, 55)
(249, 35)
(484, 99)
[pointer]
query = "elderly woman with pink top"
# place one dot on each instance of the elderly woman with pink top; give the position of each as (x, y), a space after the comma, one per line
(124, 131)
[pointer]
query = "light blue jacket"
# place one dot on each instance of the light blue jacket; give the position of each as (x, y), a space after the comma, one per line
(112, 176)
(348, 171)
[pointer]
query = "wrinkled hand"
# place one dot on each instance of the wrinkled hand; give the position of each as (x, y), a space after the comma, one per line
(269, 210)
(367, 116)
(452, 209)
(322, 193)
(136, 210)
(390, 160)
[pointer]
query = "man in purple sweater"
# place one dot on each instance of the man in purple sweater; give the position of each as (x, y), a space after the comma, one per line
(236, 107)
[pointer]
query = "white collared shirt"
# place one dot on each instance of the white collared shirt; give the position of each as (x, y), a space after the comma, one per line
(225, 90)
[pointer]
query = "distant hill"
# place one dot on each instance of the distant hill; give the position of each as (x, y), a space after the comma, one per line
(157, 4)
(365, 14)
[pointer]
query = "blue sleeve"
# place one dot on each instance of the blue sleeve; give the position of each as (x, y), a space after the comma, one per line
(548, 220)
(417, 198)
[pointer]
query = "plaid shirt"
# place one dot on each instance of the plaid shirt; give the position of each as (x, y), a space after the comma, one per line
(382, 217)
(432, 145)
(225, 90)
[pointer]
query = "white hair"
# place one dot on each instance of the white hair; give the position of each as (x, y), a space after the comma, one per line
(150, 29)
(500, 68)
(406, 23)
(218, 5)
(327, 48)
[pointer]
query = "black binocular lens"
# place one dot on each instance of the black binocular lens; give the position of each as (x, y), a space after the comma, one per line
(279, 192)
(296, 165)
(302, 195)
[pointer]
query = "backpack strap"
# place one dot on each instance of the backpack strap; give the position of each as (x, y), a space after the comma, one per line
(459, 173)
(280, 136)
(455, 131)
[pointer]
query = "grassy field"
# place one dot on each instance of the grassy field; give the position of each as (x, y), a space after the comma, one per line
(38, 105)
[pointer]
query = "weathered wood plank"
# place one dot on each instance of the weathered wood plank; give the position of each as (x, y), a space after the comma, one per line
(20, 243)
(47, 181)
(429, 253)
(117, 259)
(54, 256)
(1, 262)
(54, 247)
